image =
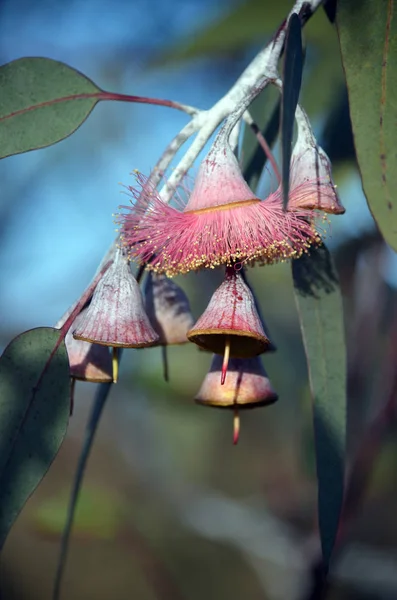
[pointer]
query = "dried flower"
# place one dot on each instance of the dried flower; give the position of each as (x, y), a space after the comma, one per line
(247, 386)
(116, 315)
(223, 222)
(168, 309)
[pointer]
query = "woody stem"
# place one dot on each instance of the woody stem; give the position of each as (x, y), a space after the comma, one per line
(264, 145)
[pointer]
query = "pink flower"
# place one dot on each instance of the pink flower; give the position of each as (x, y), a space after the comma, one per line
(231, 312)
(310, 163)
(116, 315)
(88, 362)
(247, 386)
(222, 223)
(231, 325)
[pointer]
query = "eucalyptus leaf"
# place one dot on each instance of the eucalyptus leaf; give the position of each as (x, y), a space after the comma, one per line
(35, 393)
(42, 101)
(320, 309)
(292, 80)
(368, 42)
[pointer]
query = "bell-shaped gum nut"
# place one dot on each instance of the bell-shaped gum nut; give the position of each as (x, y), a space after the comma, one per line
(231, 318)
(168, 309)
(88, 362)
(247, 385)
(311, 185)
(219, 181)
(116, 315)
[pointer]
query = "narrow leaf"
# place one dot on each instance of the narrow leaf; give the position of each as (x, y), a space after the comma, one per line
(292, 80)
(368, 41)
(320, 309)
(91, 428)
(42, 101)
(35, 392)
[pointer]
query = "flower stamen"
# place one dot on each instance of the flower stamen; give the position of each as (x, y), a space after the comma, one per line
(226, 357)
(115, 363)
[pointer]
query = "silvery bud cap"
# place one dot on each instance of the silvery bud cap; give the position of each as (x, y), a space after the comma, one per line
(116, 315)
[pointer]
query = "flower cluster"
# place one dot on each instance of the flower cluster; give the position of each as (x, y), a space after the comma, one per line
(223, 223)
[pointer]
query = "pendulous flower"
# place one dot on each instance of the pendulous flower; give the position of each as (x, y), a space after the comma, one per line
(222, 223)
(231, 325)
(310, 163)
(116, 316)
(87, 362)
(247, 386)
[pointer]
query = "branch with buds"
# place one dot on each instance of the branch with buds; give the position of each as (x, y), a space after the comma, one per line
(222, 224)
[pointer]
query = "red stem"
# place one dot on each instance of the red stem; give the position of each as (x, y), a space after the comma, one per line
(266, 148)
(102, 96)
(141, 100)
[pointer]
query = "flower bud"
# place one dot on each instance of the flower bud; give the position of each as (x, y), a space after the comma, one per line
(247, 385)
(231, 314)
(116, 315)
(168, 309)
(311, 185)
(87, 362)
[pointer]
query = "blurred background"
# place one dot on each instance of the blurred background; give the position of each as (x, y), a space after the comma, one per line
(170, 509)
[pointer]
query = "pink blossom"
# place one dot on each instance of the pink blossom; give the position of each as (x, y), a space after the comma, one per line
(222, 223)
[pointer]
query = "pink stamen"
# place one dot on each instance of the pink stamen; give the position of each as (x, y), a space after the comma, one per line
(172, 241)
(223, 222)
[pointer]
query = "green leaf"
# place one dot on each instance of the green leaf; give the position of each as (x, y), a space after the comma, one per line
(42, 101)
(35, 392)
(320, 309)
(292, 80)
(368, 41)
